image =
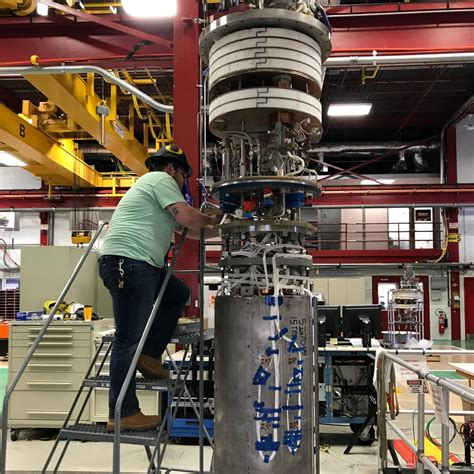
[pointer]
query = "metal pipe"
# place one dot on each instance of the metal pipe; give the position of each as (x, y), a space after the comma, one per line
(34, 346)
(432, 412)
(445, 436)
(427, 352)
(431, 467)
(399, 59)
(370, 146)
(315, 376)
(202, 261)
(420, 451)
(133, 365)
(452, 119)
(34, 70)
(458, 389)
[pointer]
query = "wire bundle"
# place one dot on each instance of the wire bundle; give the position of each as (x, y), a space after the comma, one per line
(7, 256)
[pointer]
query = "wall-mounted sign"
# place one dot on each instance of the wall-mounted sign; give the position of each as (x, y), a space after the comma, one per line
(454, 237)
(424, 215)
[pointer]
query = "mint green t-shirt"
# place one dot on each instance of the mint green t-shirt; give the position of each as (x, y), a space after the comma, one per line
(141, 228)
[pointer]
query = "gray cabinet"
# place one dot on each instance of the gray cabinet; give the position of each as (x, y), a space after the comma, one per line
(47, 388)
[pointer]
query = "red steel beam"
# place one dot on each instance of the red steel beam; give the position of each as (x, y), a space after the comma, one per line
(421, 7)
(185, 120)
(350, 196)
(453, 228)
(334, 196)
(109, 24)
(57, 39)
(373, 256)
(402, 28)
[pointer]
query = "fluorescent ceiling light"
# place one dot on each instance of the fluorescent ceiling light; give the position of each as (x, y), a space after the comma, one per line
(380, 181)
(6, 159)
(348, 110)
(150, 8)
(42, 9)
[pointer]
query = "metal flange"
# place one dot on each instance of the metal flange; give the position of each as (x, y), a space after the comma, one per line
(274, 17)
(263, 226)
(285, 184)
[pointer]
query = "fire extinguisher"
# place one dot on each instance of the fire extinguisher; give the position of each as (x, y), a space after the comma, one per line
(442, 321)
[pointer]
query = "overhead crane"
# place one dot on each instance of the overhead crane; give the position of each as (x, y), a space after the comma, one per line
(56, 161)
(76, 98)
(46, 135)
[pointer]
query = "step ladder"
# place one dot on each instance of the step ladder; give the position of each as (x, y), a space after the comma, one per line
(158, 439)
(80, 431)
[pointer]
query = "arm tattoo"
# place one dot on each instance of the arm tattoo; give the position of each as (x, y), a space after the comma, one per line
(173, 210)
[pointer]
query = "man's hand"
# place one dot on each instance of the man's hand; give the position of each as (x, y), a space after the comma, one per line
(191, 218)
(195, 234)
(216, 219)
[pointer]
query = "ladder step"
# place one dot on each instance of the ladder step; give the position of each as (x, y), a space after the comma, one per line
(103, 381)
(87, 432)
(192, 338)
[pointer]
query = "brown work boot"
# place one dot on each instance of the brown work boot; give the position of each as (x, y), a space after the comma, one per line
(137, 422)
(151, 367)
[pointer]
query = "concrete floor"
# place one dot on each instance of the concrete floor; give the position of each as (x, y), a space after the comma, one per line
(29, 456)
(97, 457)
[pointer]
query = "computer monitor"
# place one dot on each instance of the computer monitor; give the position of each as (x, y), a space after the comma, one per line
(362, 321)
(329, 323)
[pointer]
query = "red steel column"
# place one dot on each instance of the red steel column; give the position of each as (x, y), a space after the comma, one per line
(44, 228)
(453, 228)
(186, 124)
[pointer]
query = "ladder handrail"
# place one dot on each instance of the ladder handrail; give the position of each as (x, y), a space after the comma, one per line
(133, 365)
(34, 346)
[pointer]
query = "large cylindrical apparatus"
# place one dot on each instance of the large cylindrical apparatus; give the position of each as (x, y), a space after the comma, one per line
(264, 80)
(246, 377)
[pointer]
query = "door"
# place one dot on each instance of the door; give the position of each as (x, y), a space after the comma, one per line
(380, 287)
(469, 306)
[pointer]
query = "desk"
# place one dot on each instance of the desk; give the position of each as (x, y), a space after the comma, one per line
(466, 370)
(345, 385)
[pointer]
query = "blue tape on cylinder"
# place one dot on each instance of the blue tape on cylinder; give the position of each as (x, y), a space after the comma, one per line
(261, 376)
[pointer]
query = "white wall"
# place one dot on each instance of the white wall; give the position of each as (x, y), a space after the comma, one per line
(465, 151)
(21, 179)
(28, 234)
(466, 229)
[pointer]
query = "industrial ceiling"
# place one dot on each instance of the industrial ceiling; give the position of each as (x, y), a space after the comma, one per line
(409, 103)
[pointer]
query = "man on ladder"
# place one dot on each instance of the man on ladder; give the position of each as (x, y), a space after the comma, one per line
(131, 265)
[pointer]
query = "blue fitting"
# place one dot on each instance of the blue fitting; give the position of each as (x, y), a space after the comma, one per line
(292, 407)
(267, 444)
(294, 200)
(269, 351)
(261, 376)
(269, 318)
(270, 300)
(298, 372)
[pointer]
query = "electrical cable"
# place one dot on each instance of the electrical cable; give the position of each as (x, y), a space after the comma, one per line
(4, 246)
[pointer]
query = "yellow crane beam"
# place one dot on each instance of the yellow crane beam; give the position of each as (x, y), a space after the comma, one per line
(77, 99)
(53, 160)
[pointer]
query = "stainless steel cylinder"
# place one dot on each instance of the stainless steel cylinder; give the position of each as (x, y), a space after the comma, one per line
(264, 406)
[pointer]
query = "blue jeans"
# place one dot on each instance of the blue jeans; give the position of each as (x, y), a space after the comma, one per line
(132, 305)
